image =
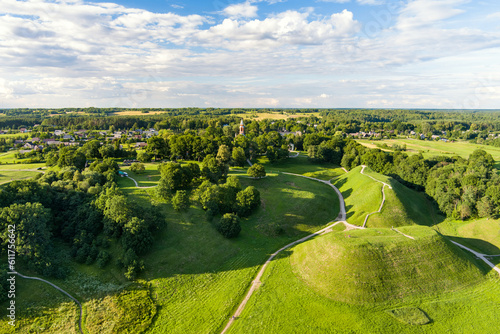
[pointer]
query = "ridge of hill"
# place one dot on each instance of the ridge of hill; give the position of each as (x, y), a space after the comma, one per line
(381, 265)
(403, 206)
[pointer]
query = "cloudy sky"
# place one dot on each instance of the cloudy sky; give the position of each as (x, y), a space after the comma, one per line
(254, 53)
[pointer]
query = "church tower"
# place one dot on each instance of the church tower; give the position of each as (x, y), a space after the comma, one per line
(242, 128)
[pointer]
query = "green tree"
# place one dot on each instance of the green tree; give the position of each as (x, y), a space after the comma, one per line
(180, 201)
(137, 168)
(224, 154)
(247, 200)
(238, 156)
(32, 233)
(157, 147)
(229, 225)
(143, 156)
(257, 171)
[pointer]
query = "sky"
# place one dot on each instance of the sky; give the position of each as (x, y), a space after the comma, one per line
(439, 54)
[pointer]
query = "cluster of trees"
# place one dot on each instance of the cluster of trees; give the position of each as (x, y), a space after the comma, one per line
(462, 188)
(85, 210)
(210, 187)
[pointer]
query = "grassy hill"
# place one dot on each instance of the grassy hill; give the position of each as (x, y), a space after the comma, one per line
(403, 206)
(380, 265)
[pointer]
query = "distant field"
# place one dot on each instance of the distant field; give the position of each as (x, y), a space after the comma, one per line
(15, 166)
(7, 176)
(135, 113)
(276, 115)
(433, 148)
(14, 135)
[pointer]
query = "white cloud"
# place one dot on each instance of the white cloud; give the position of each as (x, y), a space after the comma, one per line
(241, 10)
(60, 53)
(418, 13)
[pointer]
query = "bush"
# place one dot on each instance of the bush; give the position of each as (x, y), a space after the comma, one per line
(256, 171)
(229, 225)
(137, 168)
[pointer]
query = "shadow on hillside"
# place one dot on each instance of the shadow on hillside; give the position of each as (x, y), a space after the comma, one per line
(190, 245)
(478, 245)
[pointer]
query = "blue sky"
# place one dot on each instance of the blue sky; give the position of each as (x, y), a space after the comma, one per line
(254, 53)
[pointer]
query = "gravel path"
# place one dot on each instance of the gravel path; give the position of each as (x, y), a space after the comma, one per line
(341, 219)
(61, 290)
(383, 194)
(479, 255)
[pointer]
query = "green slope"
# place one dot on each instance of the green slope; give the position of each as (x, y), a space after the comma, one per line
(380, 265)
(403, 206)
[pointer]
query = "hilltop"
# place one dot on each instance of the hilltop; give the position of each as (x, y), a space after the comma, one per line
(381, 265)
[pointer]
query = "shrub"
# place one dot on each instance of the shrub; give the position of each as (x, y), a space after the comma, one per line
(257, 171)
(229, 225)
(180, 201)
(137, 168)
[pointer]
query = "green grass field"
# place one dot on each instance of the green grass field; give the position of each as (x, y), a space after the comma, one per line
(380, 265)
(302, 165)
(196, 277)
(284, 303)
(481, 235)
(7, 176)
(403, 206)
(434, 148)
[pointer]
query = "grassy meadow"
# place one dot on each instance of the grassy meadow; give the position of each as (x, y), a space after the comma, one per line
(194, 277)
(285, 304)
(433, 148)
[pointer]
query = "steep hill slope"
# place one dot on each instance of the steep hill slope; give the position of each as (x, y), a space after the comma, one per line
(403, 206)
(380, 265)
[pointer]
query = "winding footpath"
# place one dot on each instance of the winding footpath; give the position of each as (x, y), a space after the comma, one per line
(383, 194)
(137, 184)
(479, 255)
(61, 290)
(341, 219)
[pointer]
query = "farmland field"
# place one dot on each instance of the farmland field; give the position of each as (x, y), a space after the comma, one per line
(434, 148)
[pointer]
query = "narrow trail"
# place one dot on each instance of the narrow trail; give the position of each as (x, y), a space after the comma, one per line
(341, 219)
(61, 290)
(383, 194)
(406, 235)
(294, 156)
(137, 185)
(479, 255)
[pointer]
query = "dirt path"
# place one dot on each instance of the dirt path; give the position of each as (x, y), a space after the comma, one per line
(61, 290)
(406, 235)
(341, 219)
(383, 194)
(479, 255)
(137, 185)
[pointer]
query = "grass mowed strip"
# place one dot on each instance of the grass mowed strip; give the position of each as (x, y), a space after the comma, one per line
(379, 265)
(284, 304)
(304, 166)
